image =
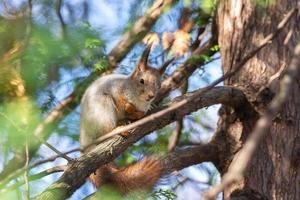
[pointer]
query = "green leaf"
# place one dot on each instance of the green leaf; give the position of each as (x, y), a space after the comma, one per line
(102, 65)
(93, 43)
(208, 5)
(215, 48)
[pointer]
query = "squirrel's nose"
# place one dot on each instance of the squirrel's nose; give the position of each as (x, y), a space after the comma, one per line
(150, 96)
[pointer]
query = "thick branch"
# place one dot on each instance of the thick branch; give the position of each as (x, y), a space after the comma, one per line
(180, 159)
(105, 152)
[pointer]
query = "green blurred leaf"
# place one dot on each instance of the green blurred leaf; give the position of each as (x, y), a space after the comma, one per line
(101, 65)
(215, 48)
(17, 119)
(199, 58)
(208, 5)
(93, 43)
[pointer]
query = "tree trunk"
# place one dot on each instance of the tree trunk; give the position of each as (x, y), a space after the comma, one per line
(274, 171)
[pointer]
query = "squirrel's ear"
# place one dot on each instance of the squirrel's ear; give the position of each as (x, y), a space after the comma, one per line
(163, 68)
(143, 63)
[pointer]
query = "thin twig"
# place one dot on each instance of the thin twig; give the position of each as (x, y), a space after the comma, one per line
(58, 5)
(27, 190)
(35, 177)
(243, 157)
(174, 139)
(62, 155)
(50, 159)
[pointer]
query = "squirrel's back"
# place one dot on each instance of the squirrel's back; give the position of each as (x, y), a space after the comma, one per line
(97, 109)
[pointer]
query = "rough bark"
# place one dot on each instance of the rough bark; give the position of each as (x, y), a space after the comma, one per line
(274, 171)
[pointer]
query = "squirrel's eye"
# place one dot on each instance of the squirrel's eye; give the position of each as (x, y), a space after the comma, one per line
(142, 81)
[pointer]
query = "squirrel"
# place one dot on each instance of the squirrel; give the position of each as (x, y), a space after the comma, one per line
(113, 100)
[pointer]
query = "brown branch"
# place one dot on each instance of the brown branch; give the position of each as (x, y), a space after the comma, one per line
(108, 150)
(182, 158)
(174, 139)
(54, 117)
(241, 160)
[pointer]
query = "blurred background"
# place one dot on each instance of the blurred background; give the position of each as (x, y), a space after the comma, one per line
(48, 47)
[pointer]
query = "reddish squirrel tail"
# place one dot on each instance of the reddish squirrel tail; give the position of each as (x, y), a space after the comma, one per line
(141, 175)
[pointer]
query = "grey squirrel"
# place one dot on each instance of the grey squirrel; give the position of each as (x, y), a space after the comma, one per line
(112, 100)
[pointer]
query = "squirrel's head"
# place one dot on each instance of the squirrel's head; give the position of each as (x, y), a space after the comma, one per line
(147, 78)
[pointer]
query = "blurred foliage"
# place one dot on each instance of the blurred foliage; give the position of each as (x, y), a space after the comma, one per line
(264, 3)
(46, 51)
(208, 5)
(17, 119)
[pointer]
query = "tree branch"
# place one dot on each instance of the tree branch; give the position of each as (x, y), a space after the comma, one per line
(108, 150)
(182, 158)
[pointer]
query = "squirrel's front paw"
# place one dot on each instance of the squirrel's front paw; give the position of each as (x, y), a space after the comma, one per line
(125, 134)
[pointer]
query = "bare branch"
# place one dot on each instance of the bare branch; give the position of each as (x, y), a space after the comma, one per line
(174, 139)
(241, 160)
(59, 153)
(50, 159)
(58, 5)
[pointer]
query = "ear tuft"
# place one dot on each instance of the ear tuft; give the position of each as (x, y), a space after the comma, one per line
(143, 63)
